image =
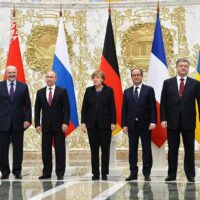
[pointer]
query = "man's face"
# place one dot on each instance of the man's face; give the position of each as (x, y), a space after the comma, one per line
(50, 78)
(11, 73)
(136, 77)
(182, 69)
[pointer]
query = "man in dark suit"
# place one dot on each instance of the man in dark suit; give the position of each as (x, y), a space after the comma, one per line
(53, 102)
(178, 115)
(138, 119)
(15, 117)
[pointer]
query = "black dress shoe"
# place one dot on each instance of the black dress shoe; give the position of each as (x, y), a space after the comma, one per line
(147, 178)
(170, 178)
(104, 177)
(131, 177)
(60, 178)
(190, 179)
(44, 177)
(3, 177)
(18, 176)
(95, 177)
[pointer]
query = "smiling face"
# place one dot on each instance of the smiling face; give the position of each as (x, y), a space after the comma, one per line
(50, 78)
(11, 73)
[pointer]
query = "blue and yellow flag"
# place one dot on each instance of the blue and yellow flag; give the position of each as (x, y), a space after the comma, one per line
(197, 130)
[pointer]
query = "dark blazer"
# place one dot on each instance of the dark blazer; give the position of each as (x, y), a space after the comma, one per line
(17, 111)
(106, 114)
(55, 115)
(172, 107)
(145, 108)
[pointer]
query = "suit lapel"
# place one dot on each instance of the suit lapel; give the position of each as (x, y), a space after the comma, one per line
(131, 93)
(187, 87)
(142, 90)
(54, 96)
(16, 90)
(5, 89)
(44, 95)
(175, 86)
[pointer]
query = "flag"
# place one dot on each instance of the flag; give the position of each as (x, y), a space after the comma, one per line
(197, 130)
(61, 66)
(14, 53)
(109, 66)
(157, 73)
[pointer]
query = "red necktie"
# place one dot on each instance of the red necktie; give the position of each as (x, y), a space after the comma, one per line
(50, 96)
(181, 88)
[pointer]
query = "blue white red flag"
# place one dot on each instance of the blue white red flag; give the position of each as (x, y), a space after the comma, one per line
(61, 65)
(157, 73)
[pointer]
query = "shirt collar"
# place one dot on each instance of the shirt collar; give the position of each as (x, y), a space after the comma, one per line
(178, 78)
(9, 82)
(139, 86)
(53, 87)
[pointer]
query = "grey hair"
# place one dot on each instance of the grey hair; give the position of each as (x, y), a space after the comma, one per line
(182, 60)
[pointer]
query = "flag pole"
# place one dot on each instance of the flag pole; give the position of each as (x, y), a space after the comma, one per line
(114, 171)
(69, 169)
(158, 151)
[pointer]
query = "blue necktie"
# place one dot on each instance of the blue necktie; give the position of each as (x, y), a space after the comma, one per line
(136, 94)
(12, 91)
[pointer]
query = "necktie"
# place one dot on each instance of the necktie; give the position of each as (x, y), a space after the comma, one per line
(181, 88)
(12, 91)
(50, 96)
(136, 93)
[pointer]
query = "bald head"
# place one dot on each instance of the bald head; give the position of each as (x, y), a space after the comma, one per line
(11, 73)
(50, 78)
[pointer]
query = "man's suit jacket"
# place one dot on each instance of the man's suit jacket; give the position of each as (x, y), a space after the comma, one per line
(14, 112)
(173, 108)
(106, 114)
(55, 115)
(145, 108)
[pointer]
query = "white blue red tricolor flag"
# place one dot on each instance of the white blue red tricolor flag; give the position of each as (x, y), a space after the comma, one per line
(157, 73)
(61, 65)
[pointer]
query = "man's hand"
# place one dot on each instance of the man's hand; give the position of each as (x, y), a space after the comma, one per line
(64, 128)
(164, 124)
(152, 126)
(113, 126)
(83, 127)
(26, 124)
(125, 130)
(38, 129)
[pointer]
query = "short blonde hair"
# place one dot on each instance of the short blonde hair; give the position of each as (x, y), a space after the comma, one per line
(98, 73)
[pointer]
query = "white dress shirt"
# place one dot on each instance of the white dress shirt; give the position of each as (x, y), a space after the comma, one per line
(48, 90)
(9, 85)
(178, 78)
(139, 89)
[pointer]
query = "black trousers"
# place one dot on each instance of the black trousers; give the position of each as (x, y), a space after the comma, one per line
(99, 138)
(146, 150)
(16, 138)
(173, 137)
(60, 154)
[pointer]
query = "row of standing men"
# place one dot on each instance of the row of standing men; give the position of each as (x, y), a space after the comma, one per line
(98, 118)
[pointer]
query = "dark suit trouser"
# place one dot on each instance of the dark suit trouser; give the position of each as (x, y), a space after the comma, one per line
(60, 154)
(16, 137)
(100, 138)
(173, 137)
(146, 150)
